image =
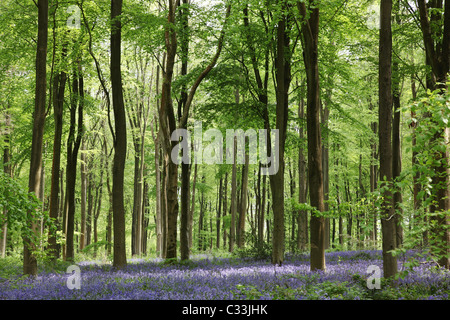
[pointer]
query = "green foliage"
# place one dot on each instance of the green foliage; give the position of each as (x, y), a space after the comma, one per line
(95, 246)
(18, 203)
(10, 266)
(431, 118)
(254, 249)
(312, 290)
(432, 115)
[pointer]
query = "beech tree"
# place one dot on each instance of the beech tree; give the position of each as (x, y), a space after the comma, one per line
(34, 182)
(385, 134)
(435, 27)
(321, 73)
(76, 131)
(169, 124)
(120, 137)
(310, 33)
(283, 80)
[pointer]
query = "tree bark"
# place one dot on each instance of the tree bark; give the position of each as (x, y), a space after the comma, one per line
(185, 167)
(325, 115)
(157, 134)
(233, 199)
(437, 49)
(283, 79)
(100, 194)
(219, 212)
(385, 134)
(184, 228)
(374, 174)
(83, 176)
(192, 209)
(8, 172)
(34, 182)
(310, 32)
(302, 218)
(243, 203)
(168, 125)
(110, 209)
(73, 146)
(397, 154)
(59, 84)
(224, 207)
(120, 143)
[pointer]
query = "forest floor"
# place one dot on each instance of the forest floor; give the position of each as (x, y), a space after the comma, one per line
(206, 277)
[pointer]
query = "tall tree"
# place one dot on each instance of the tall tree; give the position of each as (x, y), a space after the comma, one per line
(73, 146)
(120, 137)
(185, 167)
(59, 84)
(261, 94)
(385, 134)
(436, 36)
(233, 207)
(34, 182)
(138, 116)
(396, 140)
(283, 80)
(302, 217)
(169, 123)
(58, 87)
(310, 33)
(84, 194)
(8, 172)
(243, 203)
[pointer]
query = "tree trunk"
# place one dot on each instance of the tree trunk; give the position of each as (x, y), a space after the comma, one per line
(310, 30)
(185, 167)
(293, 212)
(99, 198)
(91, 200)
(224, 207)
(201, 237)
(8, 172)
(73, 145)
(338, 201)
(397, 154)
(34, 182)
(146, 215)
(83, 177)
(120, 138)
(243, 203)
(168, 125)
(416, 176)
(157, 134)
(191, 211)
(158, 196)
(302, 221)
(59, 84)
(437, 49)
(325, 115)
(233, 199)
(219, 212)
(165, 161)
(374, 175)
(385, 134)
(283, 79)
(137, 199)
(109, 239)
(184, 229)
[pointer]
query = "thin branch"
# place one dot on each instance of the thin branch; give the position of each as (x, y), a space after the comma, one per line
(183, 121)
(99, 73)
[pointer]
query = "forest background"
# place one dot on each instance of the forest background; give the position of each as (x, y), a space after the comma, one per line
(91, 90)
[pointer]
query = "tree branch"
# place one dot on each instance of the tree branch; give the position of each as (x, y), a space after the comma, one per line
(183, 121)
